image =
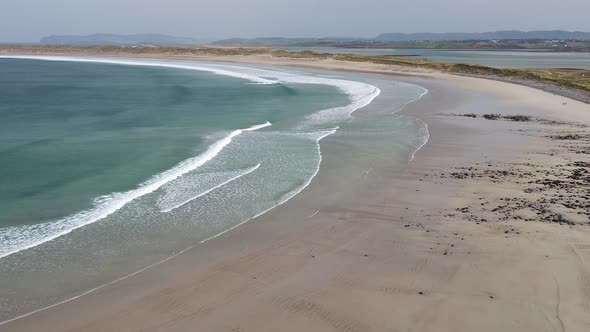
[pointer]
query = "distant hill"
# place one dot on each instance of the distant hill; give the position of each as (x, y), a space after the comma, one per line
(118, 40)
(284, 41)
(409, 37)
(262, 41)
(500, 35)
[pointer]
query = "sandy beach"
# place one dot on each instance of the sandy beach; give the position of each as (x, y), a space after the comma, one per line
(486, 229)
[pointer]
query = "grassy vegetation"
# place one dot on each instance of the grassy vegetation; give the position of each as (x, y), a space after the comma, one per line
(569, 78)
(538, 44)
(572, 79)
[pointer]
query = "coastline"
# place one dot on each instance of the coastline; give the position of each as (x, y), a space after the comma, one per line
(360, 95)
(319, 61)
(250, 273)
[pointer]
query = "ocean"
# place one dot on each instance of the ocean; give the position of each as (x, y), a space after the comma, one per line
(112, 165)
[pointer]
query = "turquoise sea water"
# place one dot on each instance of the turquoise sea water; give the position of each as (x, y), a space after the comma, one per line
(111, 165)
(71, 131)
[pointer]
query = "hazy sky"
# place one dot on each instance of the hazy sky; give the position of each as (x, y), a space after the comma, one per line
(28, 20)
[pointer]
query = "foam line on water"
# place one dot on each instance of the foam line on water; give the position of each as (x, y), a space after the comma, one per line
(246, 172)
(218, 71)
(361, 94)
(314, 214)
(93, 290)
(18, 238)
(286, 197)
(425, 138)
(425, 91)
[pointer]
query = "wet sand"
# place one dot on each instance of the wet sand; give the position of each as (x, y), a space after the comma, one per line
(485, 230)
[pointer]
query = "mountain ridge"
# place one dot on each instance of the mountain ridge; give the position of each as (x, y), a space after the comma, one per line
(118, 40)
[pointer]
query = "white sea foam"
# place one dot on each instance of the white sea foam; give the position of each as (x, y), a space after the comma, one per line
(289, 195)
(424, 92)
(18, 238)
(361, 95)
(424, 138)
(145, 63)
(176, 205)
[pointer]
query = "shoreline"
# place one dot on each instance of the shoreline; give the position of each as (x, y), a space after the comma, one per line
(359, 99)
(311, 301)
(297, 61)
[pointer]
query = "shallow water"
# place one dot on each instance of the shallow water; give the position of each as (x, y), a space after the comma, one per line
(195, 153)
(498, 59)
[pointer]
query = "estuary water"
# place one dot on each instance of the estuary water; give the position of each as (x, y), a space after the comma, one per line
(497, 59)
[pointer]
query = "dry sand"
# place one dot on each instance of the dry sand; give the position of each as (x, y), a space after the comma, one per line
(485, 230)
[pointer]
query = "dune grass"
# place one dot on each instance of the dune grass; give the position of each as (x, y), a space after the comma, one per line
(569, 78)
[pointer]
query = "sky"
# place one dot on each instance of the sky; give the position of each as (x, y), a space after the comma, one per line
(28, 20)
